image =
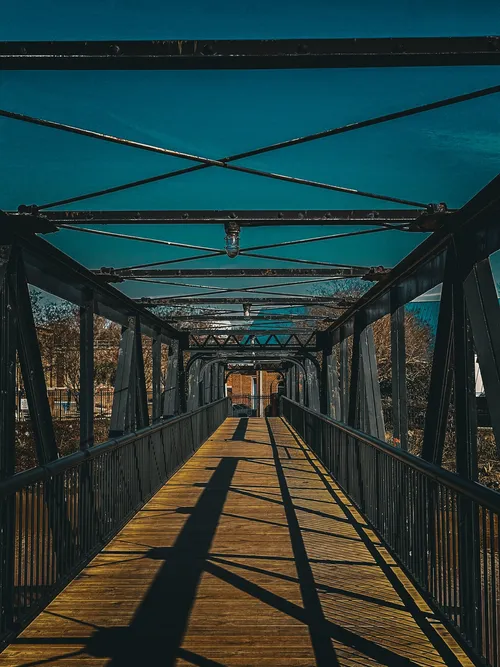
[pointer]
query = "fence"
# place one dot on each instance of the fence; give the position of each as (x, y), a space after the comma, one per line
(54, 518)
(442, 528)
(65, 403)
(247, 405)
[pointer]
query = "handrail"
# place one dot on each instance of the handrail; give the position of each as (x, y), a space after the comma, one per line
(41, 473)
(441, 527)
(56, 517)
(475, 491)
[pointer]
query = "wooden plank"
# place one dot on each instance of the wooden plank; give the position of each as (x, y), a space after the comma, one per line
(212, 571)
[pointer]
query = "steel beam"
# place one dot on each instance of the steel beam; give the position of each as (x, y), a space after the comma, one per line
(8, 333)
(424, 267)
(194, 386)
(374, 417)
(253, 342)
(469, 540)
(312, 382)
(221, 381)
(438, 399)
(118, 275)
(484, 313)
(181, 378)
(121, 412)
(260, 316)
(398, 368)
(243, 218)
(344, 380)
(87, 373)
(278, 301)
(142, 415)
(464, 388)
(329, 394)
(354, 385)
(53, 271)
(250, 54)
(32, 370)
(171, 404)
(156, 362)
(252, 332)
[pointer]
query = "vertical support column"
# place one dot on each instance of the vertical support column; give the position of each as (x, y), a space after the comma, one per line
(125, 376)
(301, 381)
(7, 436)
(312, 381)
(32, 370)
(469, 552)
(438, 400)
(206, 375)
(464, 388)
(484, 313)
(222, 382)
(291, 383)
(334, 383)
(181, 377)
(344, 379)
(193, 401)
(374, 417)
(354, 387)
(7, 366)
(41, 418)
(86, 500)
(171, 398)
(156, 356)
(398, 364)
(325, 389)
(214, 369)
(142, 414)
(87, 373)
(330, 392)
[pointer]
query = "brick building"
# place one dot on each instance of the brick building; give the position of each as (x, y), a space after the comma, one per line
(257, 391)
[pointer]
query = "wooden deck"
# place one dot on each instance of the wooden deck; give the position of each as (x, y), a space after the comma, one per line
(249, 555)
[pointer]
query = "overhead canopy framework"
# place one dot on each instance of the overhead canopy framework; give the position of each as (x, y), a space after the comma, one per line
(261, 300)
(308, 317)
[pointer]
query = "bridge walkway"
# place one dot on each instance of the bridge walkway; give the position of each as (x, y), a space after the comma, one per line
(249, 556)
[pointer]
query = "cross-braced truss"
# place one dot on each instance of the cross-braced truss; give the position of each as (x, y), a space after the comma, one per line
(323, 345)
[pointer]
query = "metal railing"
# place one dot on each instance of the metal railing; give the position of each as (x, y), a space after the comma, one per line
(65, 404)
(258, 405)
(442, 528)
(55, 518)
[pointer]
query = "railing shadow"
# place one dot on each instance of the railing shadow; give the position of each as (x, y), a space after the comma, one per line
(161, 619)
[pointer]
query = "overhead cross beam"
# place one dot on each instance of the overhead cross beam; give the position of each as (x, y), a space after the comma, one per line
(290, 331)
(253, 341)
(243, 218)
(204, 161)
(118, 275)
(259, 316)
(250, 54)
(350, 127)
(287, 301)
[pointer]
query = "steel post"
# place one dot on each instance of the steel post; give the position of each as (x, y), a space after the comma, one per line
(87, 373)
(398, 366)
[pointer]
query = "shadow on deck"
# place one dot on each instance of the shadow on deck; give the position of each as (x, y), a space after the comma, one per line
(249, 555)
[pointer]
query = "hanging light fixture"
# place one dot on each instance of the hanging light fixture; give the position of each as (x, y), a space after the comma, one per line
(246, 309)
(232, 239)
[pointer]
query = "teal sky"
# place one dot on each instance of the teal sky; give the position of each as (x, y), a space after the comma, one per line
(445, 155)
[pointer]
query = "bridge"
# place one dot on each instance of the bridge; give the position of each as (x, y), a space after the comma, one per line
(316, 536)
